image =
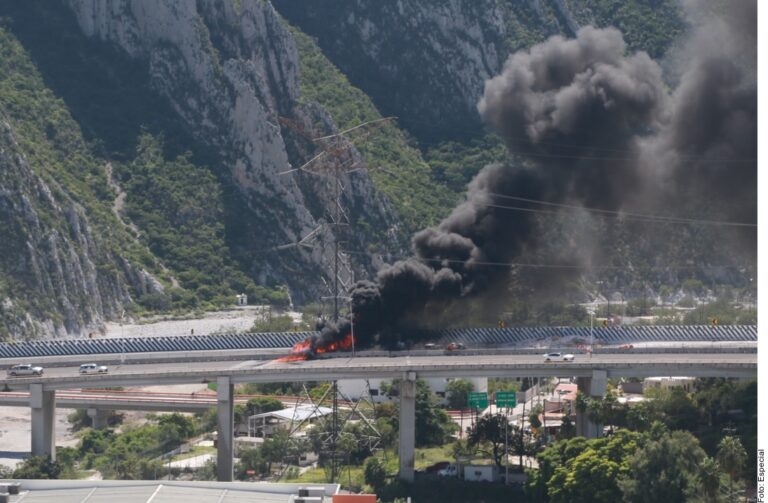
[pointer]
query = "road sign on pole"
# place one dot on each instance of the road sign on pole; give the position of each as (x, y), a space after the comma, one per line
(506, 399)
(477, 400)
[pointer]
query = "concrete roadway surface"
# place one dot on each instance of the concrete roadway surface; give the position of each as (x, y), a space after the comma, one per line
(629, 364)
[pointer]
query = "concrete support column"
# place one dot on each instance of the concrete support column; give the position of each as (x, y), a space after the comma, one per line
(43, 404)
(99, 418)
(225, 438)
(407, 426)
(593, 387)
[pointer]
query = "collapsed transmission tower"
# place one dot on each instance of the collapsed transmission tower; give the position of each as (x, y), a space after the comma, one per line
(334, 162)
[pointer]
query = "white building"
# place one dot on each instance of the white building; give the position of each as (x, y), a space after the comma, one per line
(355, 389)
(687, 383)
(264, 425)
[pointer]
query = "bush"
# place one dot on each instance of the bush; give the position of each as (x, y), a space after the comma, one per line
(375, 473)
(38, 467)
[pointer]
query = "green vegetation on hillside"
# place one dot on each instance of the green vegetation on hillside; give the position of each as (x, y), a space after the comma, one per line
(395, 166)
(178, 205)
(455, 163)
(78, 105)
(55, 150)
(647, 25)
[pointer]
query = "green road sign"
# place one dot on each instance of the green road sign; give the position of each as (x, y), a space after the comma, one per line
(477, 400)
(506, 398)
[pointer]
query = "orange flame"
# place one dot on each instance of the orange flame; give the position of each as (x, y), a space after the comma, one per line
(301, 350)
(344, 344)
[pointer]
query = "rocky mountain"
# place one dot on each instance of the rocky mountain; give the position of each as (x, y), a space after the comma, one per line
(427, 61)
(161, 155)
(228, 76)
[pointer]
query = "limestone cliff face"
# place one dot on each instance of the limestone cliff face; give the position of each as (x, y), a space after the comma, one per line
(59, 278)
(230, 71)
(423, 60)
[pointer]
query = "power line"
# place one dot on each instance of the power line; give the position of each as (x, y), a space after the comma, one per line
(529, 141)
(628, 215)
(548, 266)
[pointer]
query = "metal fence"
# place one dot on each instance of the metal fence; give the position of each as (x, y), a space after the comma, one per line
(474, 337)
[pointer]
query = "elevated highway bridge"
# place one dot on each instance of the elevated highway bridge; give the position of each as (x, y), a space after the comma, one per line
(591, 373)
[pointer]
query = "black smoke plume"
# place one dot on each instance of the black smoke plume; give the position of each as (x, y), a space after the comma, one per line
(598, 128)
(707, 150)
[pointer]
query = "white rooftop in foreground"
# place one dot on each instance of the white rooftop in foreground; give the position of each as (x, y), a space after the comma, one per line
(156, 491)
(298, 413)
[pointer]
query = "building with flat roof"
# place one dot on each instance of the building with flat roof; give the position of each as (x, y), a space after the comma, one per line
(157, 491)
(265, 424)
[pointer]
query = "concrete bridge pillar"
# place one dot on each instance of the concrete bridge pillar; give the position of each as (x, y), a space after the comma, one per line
(593, 387)
(43, 404)
(99, 418)
(407, 426)
(226, 426)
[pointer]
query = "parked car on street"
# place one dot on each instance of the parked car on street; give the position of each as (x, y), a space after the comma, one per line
(24, 369)
(430, 345)
(449, 471)
(92, 368)
(558, 357)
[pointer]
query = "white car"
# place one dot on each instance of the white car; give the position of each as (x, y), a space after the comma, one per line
(92, 368)
(24, 369)
(448, 471)
(558, 357)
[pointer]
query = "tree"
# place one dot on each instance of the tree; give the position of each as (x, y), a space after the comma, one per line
(458, 390)
(709, 479)
(520, 444)
(678, 409)
(177, 426)
(533, 417)
(95, 441)
(664, 469)
(251, 459)
(732, 456)
(606, 410)
(642, 415)
(578, 469)
(281, 447)
(491, 430)
(375, 473)
(362, 440)
(587, 478)
(433, 426)
(263, 404)
(567, 428)
(555, 455)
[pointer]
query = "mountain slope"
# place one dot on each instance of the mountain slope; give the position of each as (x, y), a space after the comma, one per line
(65, 259)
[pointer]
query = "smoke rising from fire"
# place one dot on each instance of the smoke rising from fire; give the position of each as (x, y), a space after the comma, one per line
(707, 150)
(598, 128)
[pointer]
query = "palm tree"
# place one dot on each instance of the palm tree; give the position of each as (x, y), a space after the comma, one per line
(709, 476)
(732, 456)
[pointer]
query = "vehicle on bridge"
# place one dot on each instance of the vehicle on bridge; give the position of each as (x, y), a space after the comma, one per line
(92, 368)
(24, 369)
(558, 357)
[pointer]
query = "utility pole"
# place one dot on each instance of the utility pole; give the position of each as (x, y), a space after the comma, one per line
(506, 447)
(591, 330)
